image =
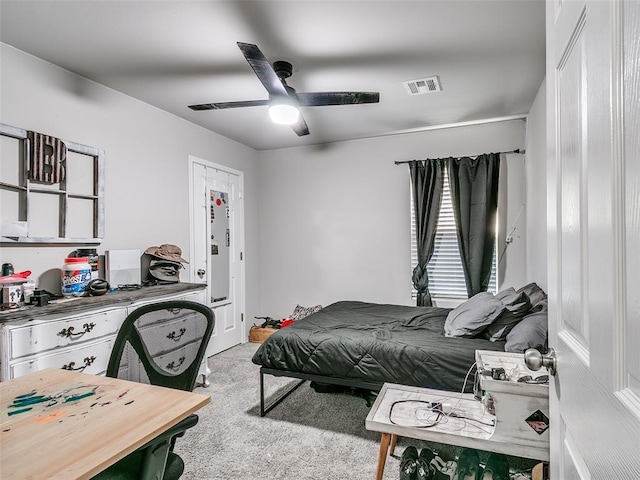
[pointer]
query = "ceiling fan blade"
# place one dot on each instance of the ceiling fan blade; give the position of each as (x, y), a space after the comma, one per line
(300, 127)
(318, 99)
(223, 105)
(275, 84)
(263, 69)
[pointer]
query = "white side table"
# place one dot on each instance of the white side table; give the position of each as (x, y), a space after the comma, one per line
(402, 410)
(521, 408)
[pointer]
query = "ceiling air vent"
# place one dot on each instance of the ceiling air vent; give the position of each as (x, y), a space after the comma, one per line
(422, 85)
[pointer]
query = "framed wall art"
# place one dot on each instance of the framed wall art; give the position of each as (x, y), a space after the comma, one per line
(51, 190)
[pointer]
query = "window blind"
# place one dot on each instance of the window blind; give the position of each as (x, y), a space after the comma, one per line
(446, 276)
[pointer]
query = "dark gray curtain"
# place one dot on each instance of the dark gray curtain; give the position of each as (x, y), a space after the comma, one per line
(474, 193)
(426, 184)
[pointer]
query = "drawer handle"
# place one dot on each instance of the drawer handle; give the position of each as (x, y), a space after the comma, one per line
(87, 362)
(177, 337)
(173, 366)
(69, 332)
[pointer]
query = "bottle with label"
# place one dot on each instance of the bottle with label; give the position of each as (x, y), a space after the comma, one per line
(76, 274)
(91, 254)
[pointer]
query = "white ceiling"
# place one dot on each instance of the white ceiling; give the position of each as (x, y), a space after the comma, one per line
(489, 56)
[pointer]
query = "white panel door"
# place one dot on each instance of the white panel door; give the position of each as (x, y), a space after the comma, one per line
(217, 245)
(224, 271)
(595, 400)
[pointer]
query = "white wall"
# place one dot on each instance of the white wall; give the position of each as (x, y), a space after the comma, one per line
(512, 222)
(536, 172)
(335, 221)
(322, 223)
(146, 197)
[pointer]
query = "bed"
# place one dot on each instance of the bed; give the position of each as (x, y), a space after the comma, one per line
(364, 345)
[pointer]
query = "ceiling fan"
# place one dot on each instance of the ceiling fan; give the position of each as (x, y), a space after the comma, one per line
(283, 99)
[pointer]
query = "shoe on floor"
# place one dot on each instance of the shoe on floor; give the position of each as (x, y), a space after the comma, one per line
(443, 470)
(497, 468)
(409, 463)
(425, 470)
(468, 467)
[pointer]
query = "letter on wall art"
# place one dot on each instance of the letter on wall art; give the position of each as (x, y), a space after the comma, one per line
(47, 157)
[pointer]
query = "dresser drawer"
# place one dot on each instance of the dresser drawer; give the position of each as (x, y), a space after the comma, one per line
(34, 338)
(91, 357)
(170, 335)
(194, 296)
(160, 316)
(197, 296)
(174, 361)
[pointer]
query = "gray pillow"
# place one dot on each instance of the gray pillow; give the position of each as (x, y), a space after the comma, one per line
(505, 294)
(471, 317)
(535, 294)
(541, 306)
(517, 305)
(531, 332)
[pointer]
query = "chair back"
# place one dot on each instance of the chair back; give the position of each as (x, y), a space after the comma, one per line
(162, 344)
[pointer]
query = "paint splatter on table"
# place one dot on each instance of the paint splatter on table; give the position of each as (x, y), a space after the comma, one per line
(73, 425)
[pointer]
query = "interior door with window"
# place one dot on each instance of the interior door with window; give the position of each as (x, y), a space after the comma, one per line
(217, 246)
(593, 176)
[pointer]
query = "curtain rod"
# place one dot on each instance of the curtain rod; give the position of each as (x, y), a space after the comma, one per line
(517, 150)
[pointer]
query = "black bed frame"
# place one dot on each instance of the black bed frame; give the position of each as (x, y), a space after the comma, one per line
(346, 382)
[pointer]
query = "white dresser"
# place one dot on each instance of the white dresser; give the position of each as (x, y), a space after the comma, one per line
(79, 335)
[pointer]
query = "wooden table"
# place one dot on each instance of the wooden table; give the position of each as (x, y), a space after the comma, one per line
(86, 424)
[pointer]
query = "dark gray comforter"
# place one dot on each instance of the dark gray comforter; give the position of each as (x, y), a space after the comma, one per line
(377, 343)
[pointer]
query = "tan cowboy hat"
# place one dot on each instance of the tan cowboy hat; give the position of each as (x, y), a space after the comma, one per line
(167, 252)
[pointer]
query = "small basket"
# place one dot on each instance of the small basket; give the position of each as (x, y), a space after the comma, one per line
(260, 334)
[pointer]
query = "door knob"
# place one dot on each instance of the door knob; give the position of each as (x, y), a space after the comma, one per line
(534, 360)
(201, 272)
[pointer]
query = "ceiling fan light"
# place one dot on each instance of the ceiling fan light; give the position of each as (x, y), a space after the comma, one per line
(283, 113)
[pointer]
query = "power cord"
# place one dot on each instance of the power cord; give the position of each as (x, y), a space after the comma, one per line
(427, 425)
(438, 409)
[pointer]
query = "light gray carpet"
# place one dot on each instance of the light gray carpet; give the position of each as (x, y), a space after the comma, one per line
(308, 436)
